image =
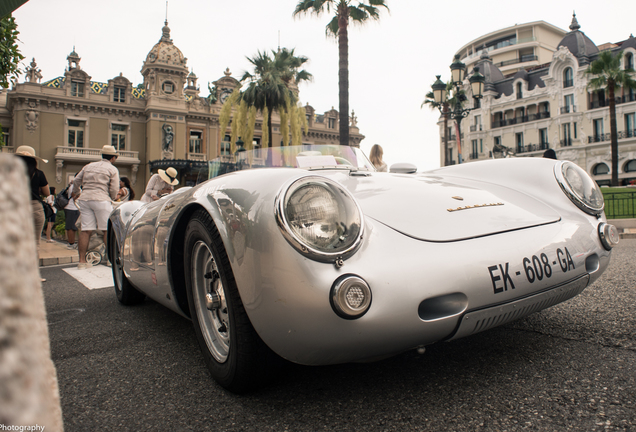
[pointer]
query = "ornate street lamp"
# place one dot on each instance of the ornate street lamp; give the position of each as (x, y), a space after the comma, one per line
(458, 112)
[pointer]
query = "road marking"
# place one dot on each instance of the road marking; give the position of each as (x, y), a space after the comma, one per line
(92, 278)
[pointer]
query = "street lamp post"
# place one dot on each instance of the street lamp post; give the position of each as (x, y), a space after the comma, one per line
(458, 112)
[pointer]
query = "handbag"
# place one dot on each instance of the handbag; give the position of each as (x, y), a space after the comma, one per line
(48, 210)
(61, 199)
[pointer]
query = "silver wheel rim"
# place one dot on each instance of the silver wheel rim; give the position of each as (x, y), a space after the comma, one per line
(93, 258)
(213, 317)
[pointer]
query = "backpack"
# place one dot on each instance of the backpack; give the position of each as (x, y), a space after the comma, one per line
(61, 199)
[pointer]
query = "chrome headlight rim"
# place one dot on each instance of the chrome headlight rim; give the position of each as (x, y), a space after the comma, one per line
(573, 195)
(299, 243)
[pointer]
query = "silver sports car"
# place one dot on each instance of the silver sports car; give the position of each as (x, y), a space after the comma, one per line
(308, 254)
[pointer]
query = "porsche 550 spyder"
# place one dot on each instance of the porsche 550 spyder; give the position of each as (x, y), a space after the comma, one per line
(307, 253)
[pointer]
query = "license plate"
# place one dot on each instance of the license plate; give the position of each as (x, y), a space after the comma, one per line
(535, 268)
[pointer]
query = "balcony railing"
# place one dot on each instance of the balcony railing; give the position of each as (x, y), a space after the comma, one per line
(522, 119)
(7, 149)
(568, 83)
(532, 148)
(599, 138)
(522, 59)
(93, 154)
(473, 156)
(197, 156)
(475, 128)
(630, 133)
(567, 142)
(602, 103)
(568, 109)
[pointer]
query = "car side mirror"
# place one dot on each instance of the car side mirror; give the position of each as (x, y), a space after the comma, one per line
(403, 168)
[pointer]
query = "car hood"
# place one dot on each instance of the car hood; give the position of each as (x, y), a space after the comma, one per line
(442, 209)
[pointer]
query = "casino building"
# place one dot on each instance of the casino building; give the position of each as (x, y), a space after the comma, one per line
(163, 121)
(531, 103)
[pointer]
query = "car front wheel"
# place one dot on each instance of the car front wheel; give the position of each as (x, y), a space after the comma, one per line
(126, 293)
(233, 352)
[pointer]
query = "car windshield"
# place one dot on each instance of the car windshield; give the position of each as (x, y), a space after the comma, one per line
(306, 156)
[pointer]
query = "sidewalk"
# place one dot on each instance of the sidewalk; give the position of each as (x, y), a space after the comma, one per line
(56, 253)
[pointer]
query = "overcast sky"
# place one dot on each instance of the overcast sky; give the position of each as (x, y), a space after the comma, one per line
(392, 62)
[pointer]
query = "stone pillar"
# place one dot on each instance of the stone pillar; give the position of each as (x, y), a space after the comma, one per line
(29, 394)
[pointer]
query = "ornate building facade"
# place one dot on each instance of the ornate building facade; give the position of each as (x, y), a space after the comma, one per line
(161, 122)
(550, 106)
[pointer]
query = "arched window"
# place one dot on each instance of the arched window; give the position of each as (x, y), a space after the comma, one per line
(568, 78)
(630, 166)
(629, 61)
(600, 169)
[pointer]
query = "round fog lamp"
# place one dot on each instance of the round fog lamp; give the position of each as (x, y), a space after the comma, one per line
(609, 235)
(350, 297)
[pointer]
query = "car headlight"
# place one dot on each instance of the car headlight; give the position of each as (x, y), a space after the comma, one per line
(580, 188)
(320, 219)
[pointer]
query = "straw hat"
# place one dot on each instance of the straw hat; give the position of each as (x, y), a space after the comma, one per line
(169, 176)
(28, 151)
(109, 150)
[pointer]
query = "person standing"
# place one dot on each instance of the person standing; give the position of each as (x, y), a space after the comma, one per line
(125, 191)
(71, 214)
(100, 184)
(38, 185)
(376, 158)
(50, 200)
(160, 184)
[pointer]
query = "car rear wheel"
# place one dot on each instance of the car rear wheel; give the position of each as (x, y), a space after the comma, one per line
(126, 293)
(236, 357)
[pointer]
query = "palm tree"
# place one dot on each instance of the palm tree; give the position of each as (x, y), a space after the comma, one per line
(273, 84)
(337, 27)
(607, 73)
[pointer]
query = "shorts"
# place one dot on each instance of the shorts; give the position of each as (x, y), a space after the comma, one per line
(52, 217)
(95, 215)
(71, 218)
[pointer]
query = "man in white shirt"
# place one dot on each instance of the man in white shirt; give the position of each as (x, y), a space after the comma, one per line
(100, 181)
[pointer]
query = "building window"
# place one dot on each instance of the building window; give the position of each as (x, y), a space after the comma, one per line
(474, 154)
(6, 138)
(119, 94)
(196, 143)
(598, 129)
(76, 133)
(118, 136)
(226, 146)
(567, 138)
(519, 141)
(543, 138)
(630, 125)
(568, 78)
(497, 142)
(332, 123)
(77, 89)
(630, 166)
(481, 145)
(600, 169)
(519, 91)
(569, 104)
(476, 103)
(167, 87)
(629, 61)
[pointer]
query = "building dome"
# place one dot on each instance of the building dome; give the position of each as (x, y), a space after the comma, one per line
(577, 42)
(491, 73)
(165, 52)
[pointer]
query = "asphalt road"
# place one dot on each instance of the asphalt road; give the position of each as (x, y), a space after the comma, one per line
(571, 367)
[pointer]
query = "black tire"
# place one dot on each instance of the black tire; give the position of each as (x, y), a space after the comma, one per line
(233, 352)
(126, 293)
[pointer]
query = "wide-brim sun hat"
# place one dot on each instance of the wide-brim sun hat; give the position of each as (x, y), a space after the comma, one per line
(28, 151)
(109, 150)
(169, 176)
